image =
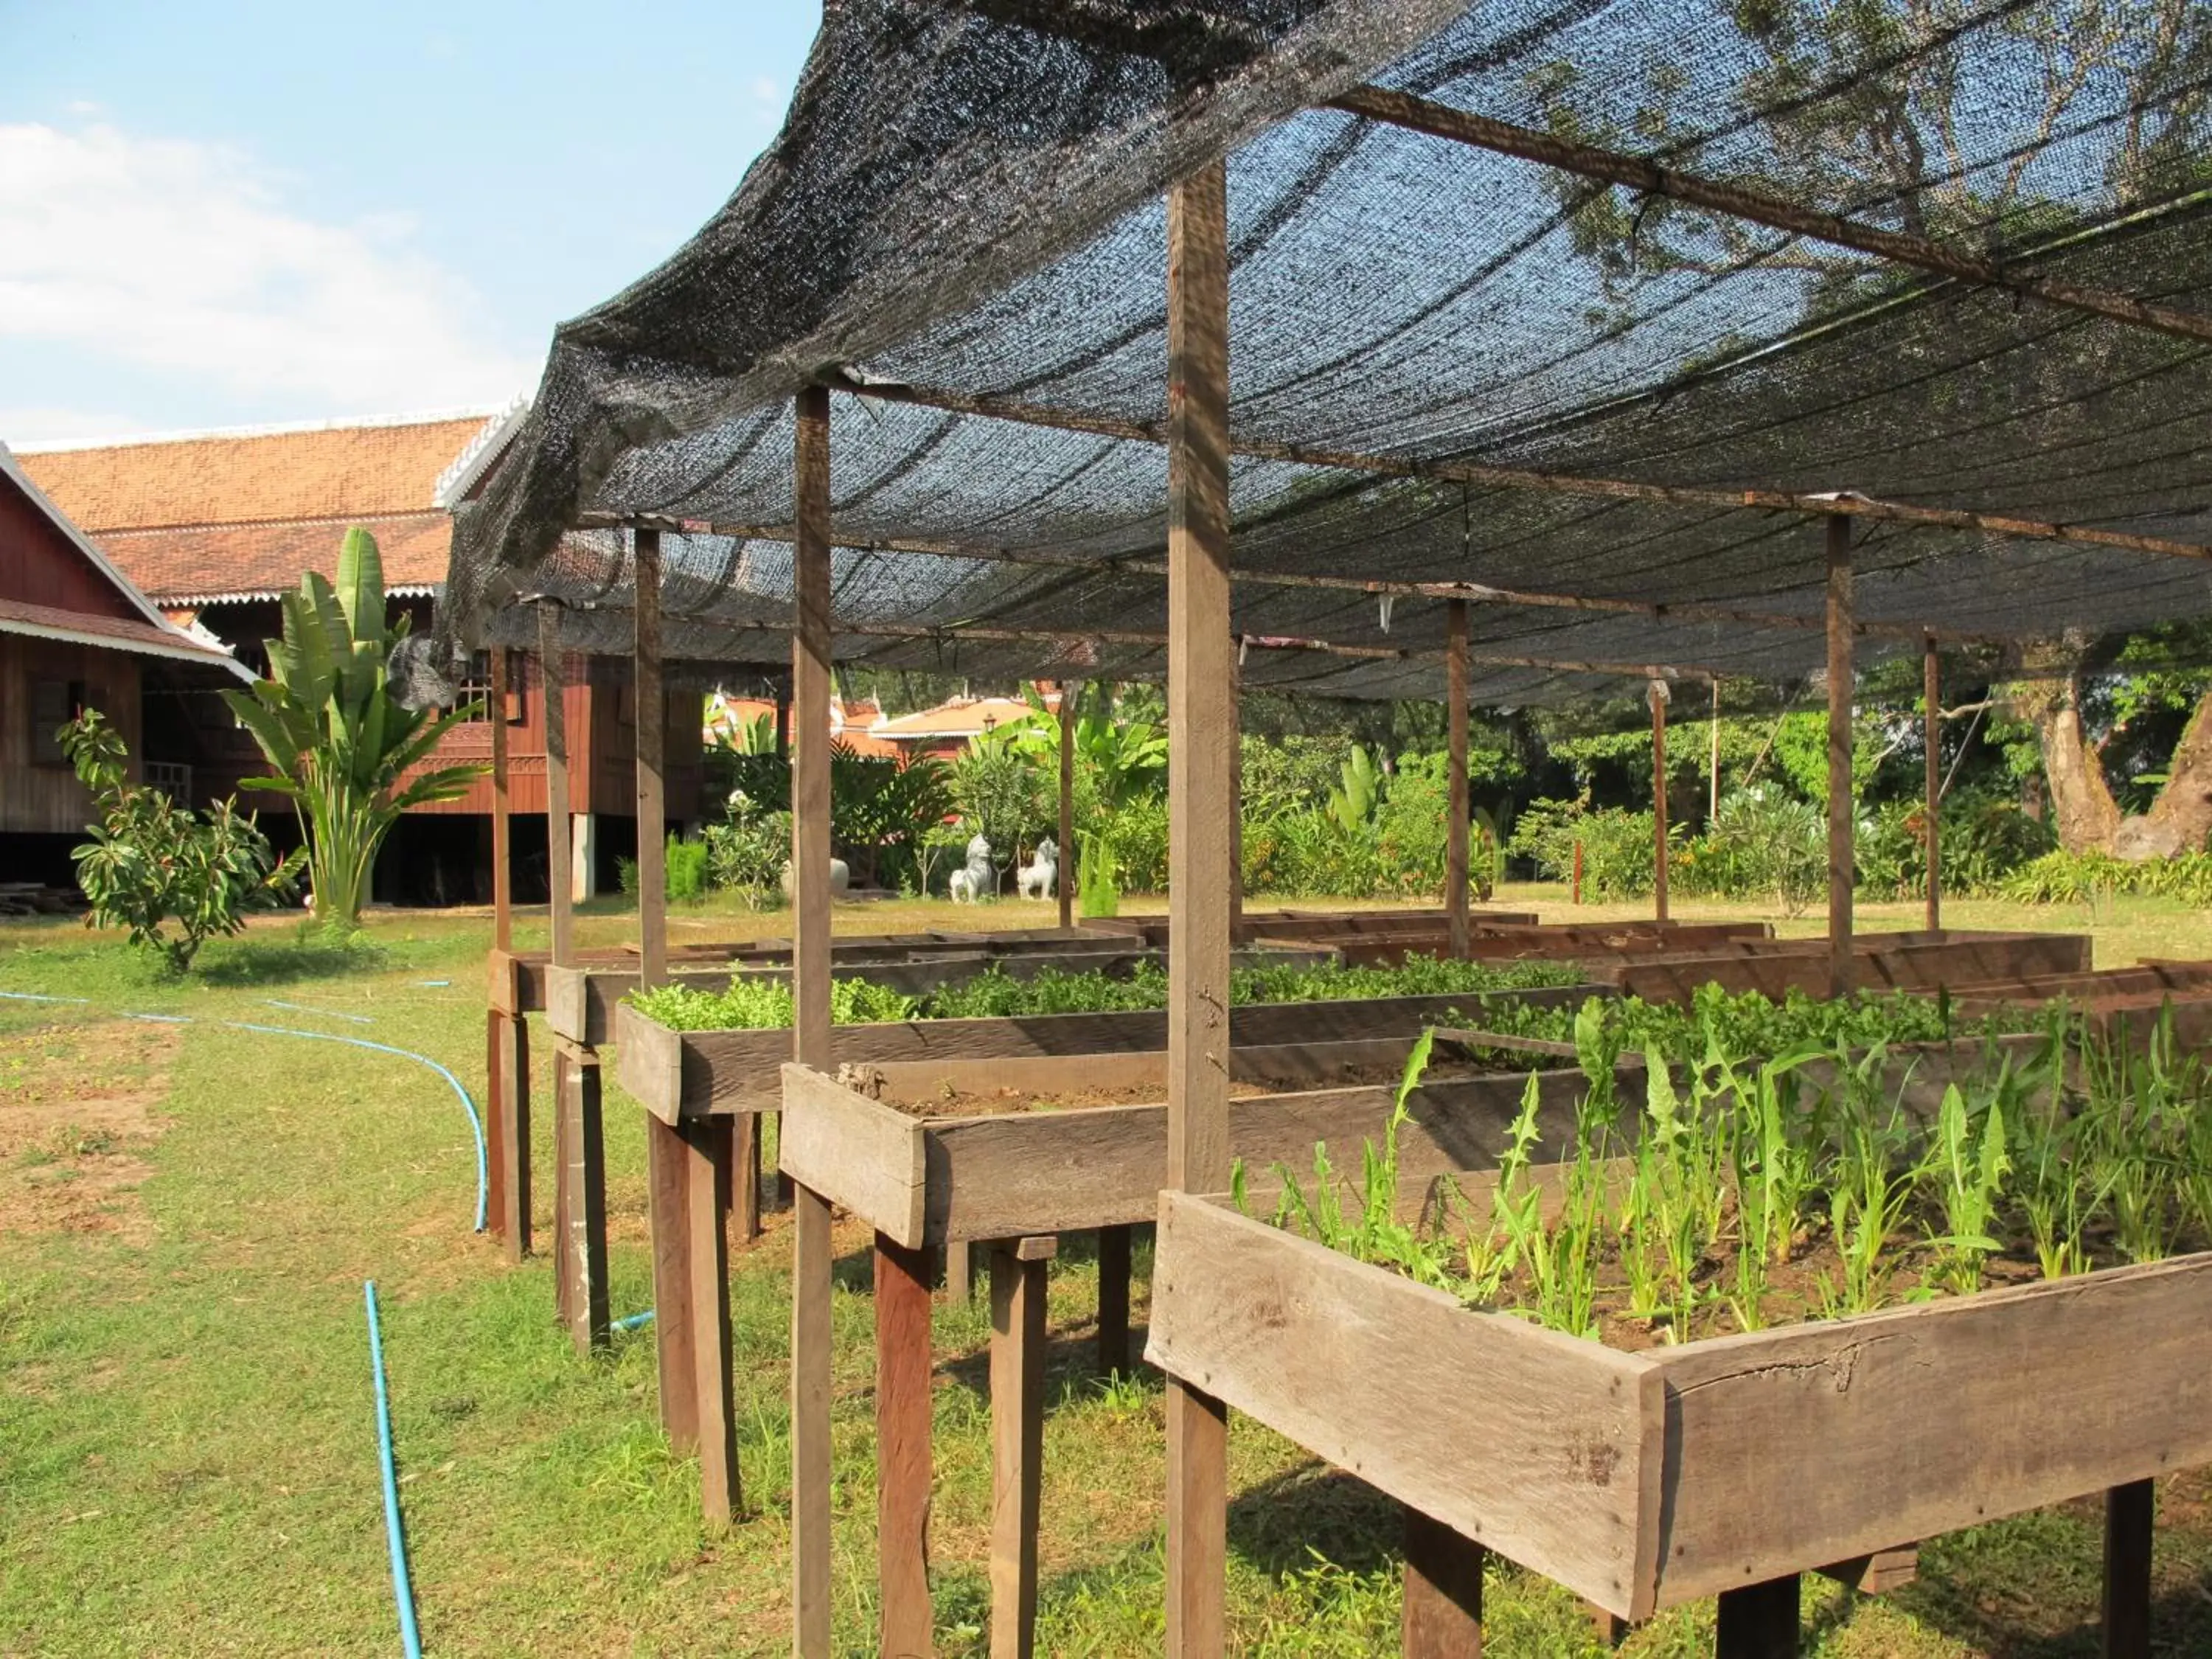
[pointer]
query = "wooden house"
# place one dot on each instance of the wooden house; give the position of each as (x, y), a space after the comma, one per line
(216, 527)
(76, 633)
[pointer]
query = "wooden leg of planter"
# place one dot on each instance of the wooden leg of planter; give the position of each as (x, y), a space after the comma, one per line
(580, 1232)
(515, 1133)
(902, 1423)
(495, 1126)
(564, 1197)
(745, 1174)
(1610, 1628)
(1017, 1340)
(708, 1145)
(959, 1271)
(1443, 1592)
(1760, 1621)
(2128, 1516)
(811, 1263)
(1114, 1299)
(668, 1200)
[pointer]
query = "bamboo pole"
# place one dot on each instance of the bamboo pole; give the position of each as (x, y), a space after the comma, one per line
(1455, 829)
(1460, 126)
(1656, 695)
(810, 965)
(1841, 863)
(503, 868)
(1201, 659)
(1931, 693)
(560, 848)
(1063, 877)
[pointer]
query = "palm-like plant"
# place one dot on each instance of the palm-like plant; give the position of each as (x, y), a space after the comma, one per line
(339, 743)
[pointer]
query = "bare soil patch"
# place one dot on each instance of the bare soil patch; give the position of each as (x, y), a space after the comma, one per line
(77, 1116)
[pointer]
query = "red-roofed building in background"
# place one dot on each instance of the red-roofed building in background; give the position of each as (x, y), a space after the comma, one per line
(216, 527)
(76, 633)
(945, 730)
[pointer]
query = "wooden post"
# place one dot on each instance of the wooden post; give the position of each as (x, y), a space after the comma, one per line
(1201, 659)
(514, 1033)
(1758, 1621)
(668, 1204)
(959, 1270)
(1455, 829)
(494, 1127)
(1236, 800)
(1017, 1342)
(1442, 1615)
(810, 988)
(1841, 863)
(581, 1236)
(1655, 694)
(651, 722)
(746, 1176)
(1713, 759)
(708, 1145)
(559, 848)
(502, 869)
(2130, 1511)
(902, 1424)
(1114, 1300)
(1064, 883)
(1931, 693)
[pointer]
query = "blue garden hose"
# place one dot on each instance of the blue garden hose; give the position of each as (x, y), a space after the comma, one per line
(403, 1589)
(468, 1105)
(633, 1322)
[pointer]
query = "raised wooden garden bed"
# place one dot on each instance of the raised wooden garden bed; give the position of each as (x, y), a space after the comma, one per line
(1907, 961)
(1642, 1481)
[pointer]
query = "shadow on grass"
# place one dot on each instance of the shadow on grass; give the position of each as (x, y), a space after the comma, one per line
(254, 962)
(1277, 1524)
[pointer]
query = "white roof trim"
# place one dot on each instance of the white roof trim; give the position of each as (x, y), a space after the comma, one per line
(279, 430)
(476, 457)
(248, 595)
(186, 645)
(186, 650)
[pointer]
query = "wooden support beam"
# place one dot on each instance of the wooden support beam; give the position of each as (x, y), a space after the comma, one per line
(811, 1257)
(746, 1178)
(1235, 788)
(1018, 1346)
(1442, 1614)
(2130, 1513)
(668, 1205)
(502, 867)
(708, 1145)
(1459, 810)
(1555, 483)
(959, 1270)
(1656, 695)
(552, 671)
(1842, 865)
(1064, 878)
(1713, 759)
(1114, 1300)
(581, 1206)
(902, 1463)
(651, 734)
(1758, 1621)
(512, 1030)
(1200, 658)
(1931, 692)
(495, 1160)
(1423, 115)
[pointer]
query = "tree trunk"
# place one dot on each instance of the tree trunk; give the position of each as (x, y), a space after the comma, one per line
(2181, 817)
(2084, 813)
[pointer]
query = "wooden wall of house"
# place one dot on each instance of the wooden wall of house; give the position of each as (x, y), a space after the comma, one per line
(42, 566)
(40, 793)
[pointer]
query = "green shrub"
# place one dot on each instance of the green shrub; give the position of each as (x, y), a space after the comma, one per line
(2091, 877)
(746, 853)
(686, 868)
(150, 862)
(1617, 845)
(1762, 841)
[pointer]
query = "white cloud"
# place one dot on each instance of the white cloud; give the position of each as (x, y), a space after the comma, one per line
(179, 258)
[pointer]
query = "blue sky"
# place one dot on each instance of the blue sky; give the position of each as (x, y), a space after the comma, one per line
(238, 212)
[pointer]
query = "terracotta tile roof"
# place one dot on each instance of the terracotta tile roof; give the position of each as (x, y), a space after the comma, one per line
(18, 616)
(962, 717)
(337, 472)
(194, 567)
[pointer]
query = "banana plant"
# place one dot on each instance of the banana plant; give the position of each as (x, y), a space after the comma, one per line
(336, 739)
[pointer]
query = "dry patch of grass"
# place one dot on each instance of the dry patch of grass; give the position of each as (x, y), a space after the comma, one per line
(77, 1118)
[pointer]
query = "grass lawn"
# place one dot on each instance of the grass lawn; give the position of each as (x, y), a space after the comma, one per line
(187, 1454)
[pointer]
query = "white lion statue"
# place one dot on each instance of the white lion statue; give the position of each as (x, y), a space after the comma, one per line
(977, 880)
(1041, 879)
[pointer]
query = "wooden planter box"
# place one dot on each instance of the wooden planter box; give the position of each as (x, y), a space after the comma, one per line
(1899, 962)
(1641, 1480)
(580, 1003)
(680, 1074)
